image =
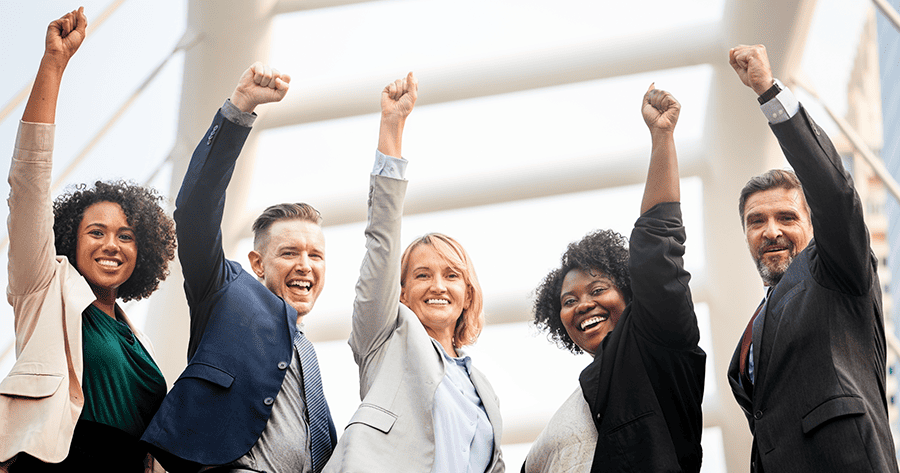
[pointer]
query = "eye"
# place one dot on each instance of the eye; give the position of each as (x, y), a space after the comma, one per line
(453, 276)
(421, 276)
(597, 291)
(126, 237)
(568, 301)
(95, 233)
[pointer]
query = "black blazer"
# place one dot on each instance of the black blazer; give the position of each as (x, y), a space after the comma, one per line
(645, 385)
(240, 344)
(818, 403)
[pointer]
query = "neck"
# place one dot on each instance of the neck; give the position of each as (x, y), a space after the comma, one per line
(106, 299)
(445, 339)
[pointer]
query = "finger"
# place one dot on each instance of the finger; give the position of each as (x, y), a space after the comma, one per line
(81, 20)
(413, 85)
(286, 78)
(646, 98)
(281, 84)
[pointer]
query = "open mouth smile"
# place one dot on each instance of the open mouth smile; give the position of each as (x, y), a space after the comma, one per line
(592, 322)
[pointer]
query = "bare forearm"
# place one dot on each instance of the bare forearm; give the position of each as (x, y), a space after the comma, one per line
(662, 177)
(41, 105)
(390, 135)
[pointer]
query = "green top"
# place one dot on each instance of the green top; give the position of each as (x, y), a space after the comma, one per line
(122, 385)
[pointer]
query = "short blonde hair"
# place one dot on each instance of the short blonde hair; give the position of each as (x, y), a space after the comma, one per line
(471, 320)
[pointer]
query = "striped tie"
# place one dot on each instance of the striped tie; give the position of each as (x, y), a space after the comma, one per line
(319, 438)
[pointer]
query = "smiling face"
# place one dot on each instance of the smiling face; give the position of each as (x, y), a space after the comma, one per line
(591, 305)
(778, 227)
(106, 250)
(435, 291)
(291, 263)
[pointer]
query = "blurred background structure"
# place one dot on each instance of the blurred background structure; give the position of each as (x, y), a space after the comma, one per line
(527, 135)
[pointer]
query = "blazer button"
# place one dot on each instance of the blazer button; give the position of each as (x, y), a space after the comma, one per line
(282, 365)
(268, 401)
(758, 415)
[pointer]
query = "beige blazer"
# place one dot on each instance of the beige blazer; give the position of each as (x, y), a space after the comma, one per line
(41, 397)
(400, 366)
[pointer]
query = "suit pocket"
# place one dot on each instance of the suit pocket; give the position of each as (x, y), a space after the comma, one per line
(832, 409)
(375, 417)
(207, 373)
(31, 385)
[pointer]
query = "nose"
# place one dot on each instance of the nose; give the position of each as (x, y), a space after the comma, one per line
(110, 243)
(772, 229)
(438, 284)
(585, 305)
(303, 265)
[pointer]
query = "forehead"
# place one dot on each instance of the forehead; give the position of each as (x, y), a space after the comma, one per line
(778, 200)
(577, 277)
(296, 233)
(106, 213)
(430, 256)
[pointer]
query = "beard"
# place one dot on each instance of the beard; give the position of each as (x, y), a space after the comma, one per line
(772, 271)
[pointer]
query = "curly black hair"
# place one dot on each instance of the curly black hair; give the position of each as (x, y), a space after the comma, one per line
(603, 250)
(154, 230)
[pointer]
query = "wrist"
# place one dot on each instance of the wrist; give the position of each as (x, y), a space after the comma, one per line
(242, 102)
(770, 92)
(54, 62)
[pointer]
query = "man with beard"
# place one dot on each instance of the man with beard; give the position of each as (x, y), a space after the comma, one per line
(809, 371)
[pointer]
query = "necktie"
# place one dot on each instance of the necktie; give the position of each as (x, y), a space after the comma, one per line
(319, 415)
(747, 339)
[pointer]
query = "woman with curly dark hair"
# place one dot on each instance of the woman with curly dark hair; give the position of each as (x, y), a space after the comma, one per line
(84, 384)
(638, 404)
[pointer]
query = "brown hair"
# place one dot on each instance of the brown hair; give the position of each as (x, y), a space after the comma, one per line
(771, 179)
(274, 213)
(471, 320)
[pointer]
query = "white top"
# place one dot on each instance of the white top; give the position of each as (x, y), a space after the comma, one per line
(567, 443)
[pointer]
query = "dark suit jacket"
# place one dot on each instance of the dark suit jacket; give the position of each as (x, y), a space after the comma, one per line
(818, 403)
(240, 344)
(645, 385)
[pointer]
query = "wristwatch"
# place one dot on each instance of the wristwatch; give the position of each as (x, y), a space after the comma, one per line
(770, 94)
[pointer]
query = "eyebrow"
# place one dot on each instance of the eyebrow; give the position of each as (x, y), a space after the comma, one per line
(104, 226)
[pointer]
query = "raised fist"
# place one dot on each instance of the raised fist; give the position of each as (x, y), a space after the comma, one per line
(752, 65)
(399, 97)
(259, 84)
(660, 110)
(65, 35)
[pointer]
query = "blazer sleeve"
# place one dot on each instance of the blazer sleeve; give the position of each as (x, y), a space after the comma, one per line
(662, 308)
(376, 307)
(842, 260)
(32, 248)
(200, 206)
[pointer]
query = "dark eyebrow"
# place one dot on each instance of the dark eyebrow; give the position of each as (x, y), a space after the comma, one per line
(103, 226)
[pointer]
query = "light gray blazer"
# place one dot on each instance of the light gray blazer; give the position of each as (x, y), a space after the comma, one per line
(400, 366)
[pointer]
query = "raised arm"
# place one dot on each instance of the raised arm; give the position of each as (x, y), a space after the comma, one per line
(31, 247)
(201, 200)
(660, 111)
(375, 309)
(840, 234)
(64, 37)
(663, 308)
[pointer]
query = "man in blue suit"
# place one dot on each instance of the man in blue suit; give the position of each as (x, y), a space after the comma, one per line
(250, 398)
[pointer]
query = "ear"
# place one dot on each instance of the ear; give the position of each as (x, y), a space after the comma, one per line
(256, 263)
(403, 296)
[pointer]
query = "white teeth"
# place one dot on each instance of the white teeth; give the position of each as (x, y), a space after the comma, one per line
(109, 263)
(437, 301)
(300, 284)
(591, 322)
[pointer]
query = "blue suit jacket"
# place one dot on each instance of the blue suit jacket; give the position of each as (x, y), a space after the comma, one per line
(240, 342)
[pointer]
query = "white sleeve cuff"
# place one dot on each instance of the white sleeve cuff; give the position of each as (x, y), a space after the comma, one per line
(389, 166)
(782, 107)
